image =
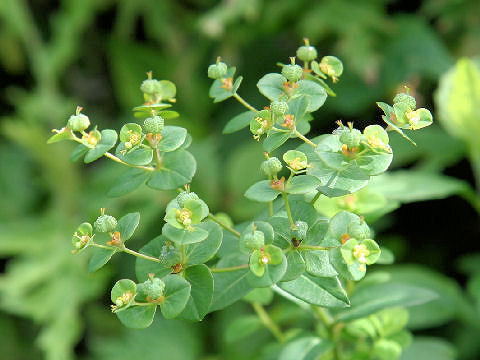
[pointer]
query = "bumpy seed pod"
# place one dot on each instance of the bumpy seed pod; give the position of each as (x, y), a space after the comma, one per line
(358, 230)
(292, 72)
(307, 53)
(78, 122)
(154, 288)
(169, 255)
(253, 240)
(405, 98)
(349, 137)
(184, 196)
(300, 233)
(150, 86)
(279, 108)
(217, 71)
(105, 224)
(153, 125)
(271, 167)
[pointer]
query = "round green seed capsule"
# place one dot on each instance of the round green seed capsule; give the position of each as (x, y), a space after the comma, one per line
(78, 122)
(292, 72)
(184, 196)
(105, 224)
(358, 230)
(217, 71)
(271, 167)
(154, 288)
(307, 53)
(349, 136)
(405, 98)
(150, 86)
(279, 108)
(253, 240)
(153, 125)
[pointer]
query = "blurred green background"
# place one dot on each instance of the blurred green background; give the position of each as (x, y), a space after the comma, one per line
(55, 55)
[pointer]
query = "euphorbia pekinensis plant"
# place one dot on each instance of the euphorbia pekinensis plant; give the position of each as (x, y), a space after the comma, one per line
(201, 262)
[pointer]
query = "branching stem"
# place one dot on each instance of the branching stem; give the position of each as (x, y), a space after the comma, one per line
(300, 136)
(228, 269)
(225, 226)
(268, 322)
(244, 103)
(137, 254)
(314, 247)
(289, 212)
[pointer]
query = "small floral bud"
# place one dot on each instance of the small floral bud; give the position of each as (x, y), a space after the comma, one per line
(363, 252)
(271, 167)
(278, 184)
(296, 160)
(153, 125)
(377, 137)
(92, 138)
(279, 108)
(169, 255)
(82, 236)
(331, 66)
(259, 259)
(413, 117)
(300, 231)
(217, 71)
(292, 72)
(360, 252)
(124, 299)
(78, 122)
(261, 123)
(105, 224)
(184, 216)
(150, 87)
(307, 52)
(185, 196)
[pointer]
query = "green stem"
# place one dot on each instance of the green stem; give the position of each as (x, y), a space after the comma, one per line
(137, 254)
(244, 103)
(304, 138)
(289, 212)
(475, 163)
(103, 246)
(158, 158)
(225, 226)
(323, 315)
(315, 198)
(314, 247)
(336, 330)
(268, 322)
(184, 257)
(270, 208)
(116, 159)
(228, 269)
(280, 130)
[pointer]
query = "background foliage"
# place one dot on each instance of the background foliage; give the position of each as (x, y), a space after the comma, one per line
(55, 55)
